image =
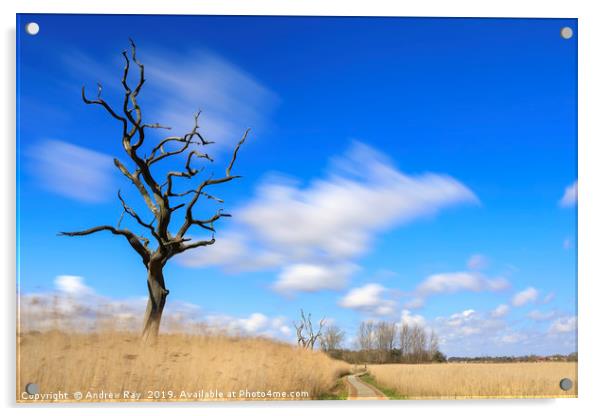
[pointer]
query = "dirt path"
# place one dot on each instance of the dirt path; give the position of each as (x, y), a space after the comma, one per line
(359, 390)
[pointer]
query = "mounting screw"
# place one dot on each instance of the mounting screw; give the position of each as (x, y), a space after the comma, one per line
(566, 32)
(32, 388)
(32, 28)
(566, 384)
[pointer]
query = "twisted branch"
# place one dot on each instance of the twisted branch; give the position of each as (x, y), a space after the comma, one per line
(137, 242)
(158, 198)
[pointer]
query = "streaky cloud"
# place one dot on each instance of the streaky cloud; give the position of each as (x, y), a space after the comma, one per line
(331, 221)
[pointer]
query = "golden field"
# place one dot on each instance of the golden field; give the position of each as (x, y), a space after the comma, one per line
(478, 380)
(178, 367)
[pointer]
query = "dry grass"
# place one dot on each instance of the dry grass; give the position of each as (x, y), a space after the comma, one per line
(477, 380)
(116, 361)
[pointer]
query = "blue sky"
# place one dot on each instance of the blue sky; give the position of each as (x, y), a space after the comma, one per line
(407, 169)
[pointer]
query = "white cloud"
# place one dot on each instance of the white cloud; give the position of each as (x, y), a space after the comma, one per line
(365, 296)
(477, 262)
(279, 325)
(537, 315)
(332, 220)
(72, 171)
(410, 319)
(72, 285)
(569, 198)
(369, 298)
(530, 294)
(563, 325)
(256, 324)
(501, 311)
(469, 329)
(306, 277)
(364, 194)
(453, 282)
(512, 338)
(76, 306)
(232, 251)
(459, 281)
(231, 99)
(415, 303)
(467, 313)
(471, 333)
(457, 319)
(549, 298)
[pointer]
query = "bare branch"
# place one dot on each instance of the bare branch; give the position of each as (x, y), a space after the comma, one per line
(138, 243)
(130, 211)
(104, 104)
(177, 207)
(208, 223)
(208, 182)
(156, 126)
(306, 337)
(138, 184)
(212, 197)
(140, 66)
(178, 241)
(187, 140)
(244, 137)
(131, 97)
(189, 173)
(120, 219)
(201, 243)
(301, 341)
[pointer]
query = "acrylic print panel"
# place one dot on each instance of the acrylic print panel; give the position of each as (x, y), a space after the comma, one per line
(295, 208)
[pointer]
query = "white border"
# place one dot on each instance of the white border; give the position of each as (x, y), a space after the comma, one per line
(590, 204)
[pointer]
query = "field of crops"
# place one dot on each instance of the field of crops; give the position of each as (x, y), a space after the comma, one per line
(179, 367)
(463, 380)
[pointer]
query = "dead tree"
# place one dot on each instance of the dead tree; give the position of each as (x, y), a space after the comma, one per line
(332, 338)
(306, 338)
(160, 196)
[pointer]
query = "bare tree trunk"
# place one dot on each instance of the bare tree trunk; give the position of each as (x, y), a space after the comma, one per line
(158, 193)
(157, 294)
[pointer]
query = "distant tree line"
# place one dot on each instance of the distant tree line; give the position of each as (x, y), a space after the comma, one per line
(384, 342)
(515, 359)
(388, 342)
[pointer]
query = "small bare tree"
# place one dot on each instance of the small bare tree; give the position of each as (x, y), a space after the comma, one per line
(404, 341)
(306, 338)
(418, 344)
(365, 336)
(366, 340)
(385, 340)
(160, 196)
(332, 338)
(433, 345)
